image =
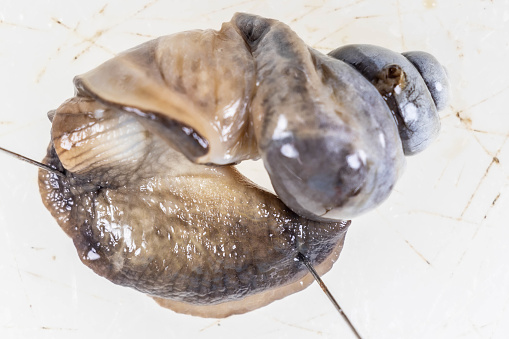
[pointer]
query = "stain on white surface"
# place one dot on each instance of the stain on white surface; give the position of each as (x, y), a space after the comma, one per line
(431, 262)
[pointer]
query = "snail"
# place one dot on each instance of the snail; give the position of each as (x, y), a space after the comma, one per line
(140, 170)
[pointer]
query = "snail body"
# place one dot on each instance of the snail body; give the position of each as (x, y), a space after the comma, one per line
(149, 193)
(194, 234)
(315, 133)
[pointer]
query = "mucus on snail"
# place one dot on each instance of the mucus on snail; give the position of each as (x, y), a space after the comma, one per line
(146, 186)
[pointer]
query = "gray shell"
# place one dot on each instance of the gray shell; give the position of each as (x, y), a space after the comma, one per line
(434, 75)
(404, 89)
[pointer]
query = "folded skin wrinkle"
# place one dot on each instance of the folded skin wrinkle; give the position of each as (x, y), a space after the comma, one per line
(150, 195)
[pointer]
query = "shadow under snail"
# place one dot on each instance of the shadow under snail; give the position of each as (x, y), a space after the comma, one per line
(143, 159)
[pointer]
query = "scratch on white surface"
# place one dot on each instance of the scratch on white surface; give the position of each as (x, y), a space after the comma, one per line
(92, 40)
(467, 123)
(22, 284)
(2, 22)
(339, 29)
(417, 252)
(62, 284)
(41, 73)
(493, 203)
(53, 281)
(400, 20)
(300, 17)
(19, 129)
(482, 101)
(299, 327)
(493, 161)
(495, 200)
(317, 45)
(441, 215)
(57, 52)
(143, 35)
(141, 10)
(237, 4)
(368, 17)
(444, 169)
(215, 323)
(49, 328)
(355, 3)
(103, 9)
(500, 134)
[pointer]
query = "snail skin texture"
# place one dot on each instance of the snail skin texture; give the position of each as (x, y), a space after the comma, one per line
(147, 145)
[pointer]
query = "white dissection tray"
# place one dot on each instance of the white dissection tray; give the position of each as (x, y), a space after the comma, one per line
(431, 262)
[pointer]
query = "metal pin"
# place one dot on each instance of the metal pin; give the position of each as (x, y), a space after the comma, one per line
(33, 162)
(302, 258)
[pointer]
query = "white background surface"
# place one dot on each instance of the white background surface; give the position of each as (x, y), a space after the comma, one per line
(432, 262)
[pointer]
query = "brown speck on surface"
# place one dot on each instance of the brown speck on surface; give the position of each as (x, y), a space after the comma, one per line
(495, 200)
(429, 4)
(467, 121)
(493, 203)
(101, 11)
(59, 22)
